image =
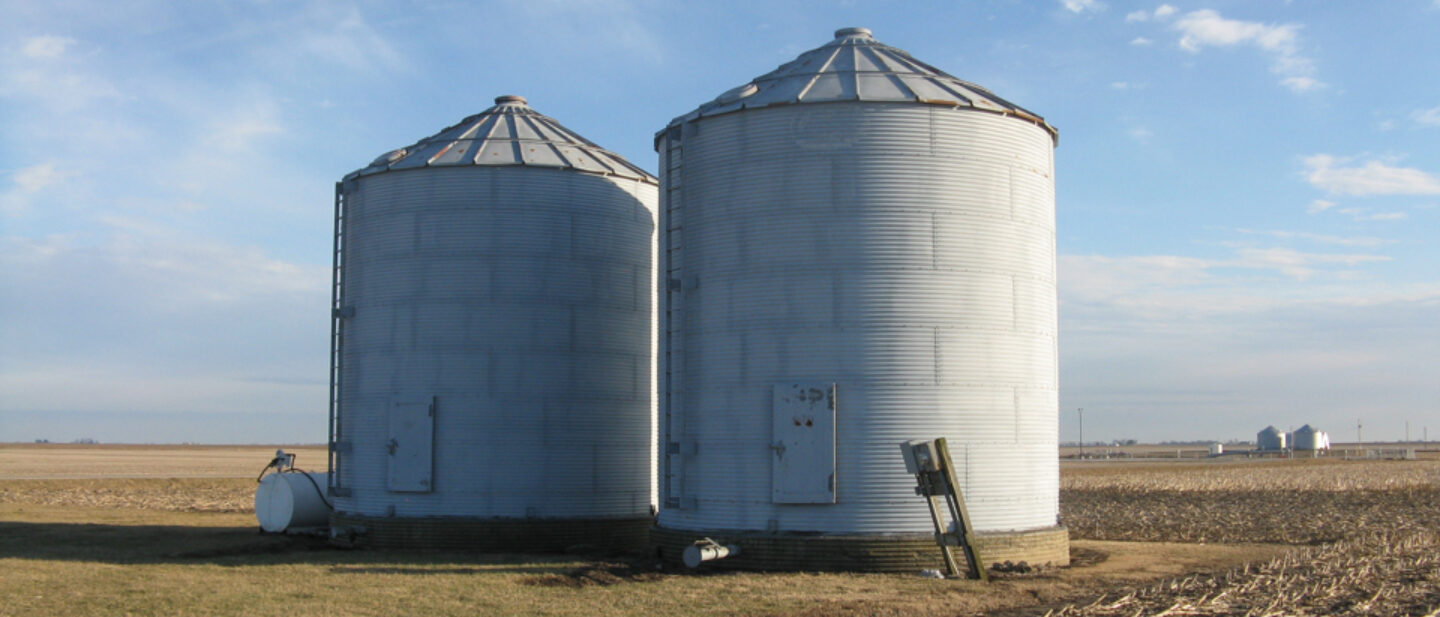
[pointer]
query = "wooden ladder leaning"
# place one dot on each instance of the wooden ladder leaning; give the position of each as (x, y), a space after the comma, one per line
(934, 474)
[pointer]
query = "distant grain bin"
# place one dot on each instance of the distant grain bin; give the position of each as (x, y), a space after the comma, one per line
(1270, 439)
(1307, 438)
(491, 385)
(858, 249)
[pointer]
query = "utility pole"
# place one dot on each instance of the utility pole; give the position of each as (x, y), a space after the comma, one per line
(1358, 439)
(1082, 431)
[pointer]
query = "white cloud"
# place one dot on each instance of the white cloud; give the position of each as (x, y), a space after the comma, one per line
(202, 324)
(1080, 6)
(1427, 117)
(1298, 265)
(1207, 28)
(1160, 13)
(1141, 134)
(27, 183)
(351, 42)
(1361, 214)
(599, 24)
(1319, 205)
(1220, 350)
(1301, 84)
(1141, 41)
(1373, 178)
(42, 47)
(37, 177)
(1389, 216)
(1365, 241)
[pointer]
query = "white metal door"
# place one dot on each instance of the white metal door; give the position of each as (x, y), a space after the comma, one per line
(411, 444)
(803, 445)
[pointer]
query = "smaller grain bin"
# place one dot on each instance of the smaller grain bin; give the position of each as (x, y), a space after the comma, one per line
(1307, 438)
(1271, 439)
(492, 342)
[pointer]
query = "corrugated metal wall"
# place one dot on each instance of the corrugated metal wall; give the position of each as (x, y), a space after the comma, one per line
(903, 252)
(520, 299)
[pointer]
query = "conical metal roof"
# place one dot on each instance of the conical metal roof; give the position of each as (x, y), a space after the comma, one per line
(856, 67)
(510, 133)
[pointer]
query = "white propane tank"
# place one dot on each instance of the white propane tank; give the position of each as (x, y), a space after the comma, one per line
(290, 500)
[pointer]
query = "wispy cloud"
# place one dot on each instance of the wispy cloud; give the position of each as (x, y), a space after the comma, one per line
(1336, 176)
(1081, 6)
(350, 42)
(1363, 241)
(28, 182)
(1427, 117)
(155, 299)
(1302, 84)
(1141, 41)
(1298, 265)
(1160, 13)
(44, 47)
(1361, 214)
(1214, 343)
(1207, 28)
(597, 24)
(1319, 205)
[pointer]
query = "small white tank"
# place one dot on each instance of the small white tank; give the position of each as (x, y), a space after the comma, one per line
(290, 500)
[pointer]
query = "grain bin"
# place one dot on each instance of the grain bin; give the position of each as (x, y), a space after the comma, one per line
(858, 249)
(492, 365)
(1307, 438)
(1271, 439)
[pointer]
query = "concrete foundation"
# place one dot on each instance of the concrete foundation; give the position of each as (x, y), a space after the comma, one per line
(492, 535)
(869, 553)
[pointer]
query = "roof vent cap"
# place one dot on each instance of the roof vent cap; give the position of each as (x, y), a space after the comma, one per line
(844, 32)
(510, 99)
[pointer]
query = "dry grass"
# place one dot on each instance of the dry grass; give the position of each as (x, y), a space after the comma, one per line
(74, 544)
(87, 561)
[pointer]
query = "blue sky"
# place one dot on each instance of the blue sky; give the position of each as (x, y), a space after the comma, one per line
(1248, 192)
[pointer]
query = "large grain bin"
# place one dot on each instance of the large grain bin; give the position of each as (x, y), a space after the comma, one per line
(857, 249)
(493, 347)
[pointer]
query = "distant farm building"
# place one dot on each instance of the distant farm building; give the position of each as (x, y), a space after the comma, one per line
(1307, 438)
(1270, 438)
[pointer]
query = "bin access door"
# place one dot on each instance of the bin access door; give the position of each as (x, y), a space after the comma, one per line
(411, 444)
(803, 443)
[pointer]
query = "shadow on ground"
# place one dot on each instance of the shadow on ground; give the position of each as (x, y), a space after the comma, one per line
(241, 546)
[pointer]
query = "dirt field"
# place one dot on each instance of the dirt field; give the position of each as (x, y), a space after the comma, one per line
(57, 461)
(147, 530)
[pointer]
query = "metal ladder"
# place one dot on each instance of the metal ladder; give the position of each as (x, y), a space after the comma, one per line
(337, 338)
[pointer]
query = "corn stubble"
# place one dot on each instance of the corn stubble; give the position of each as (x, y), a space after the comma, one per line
(165, 494)
(1373, 531)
